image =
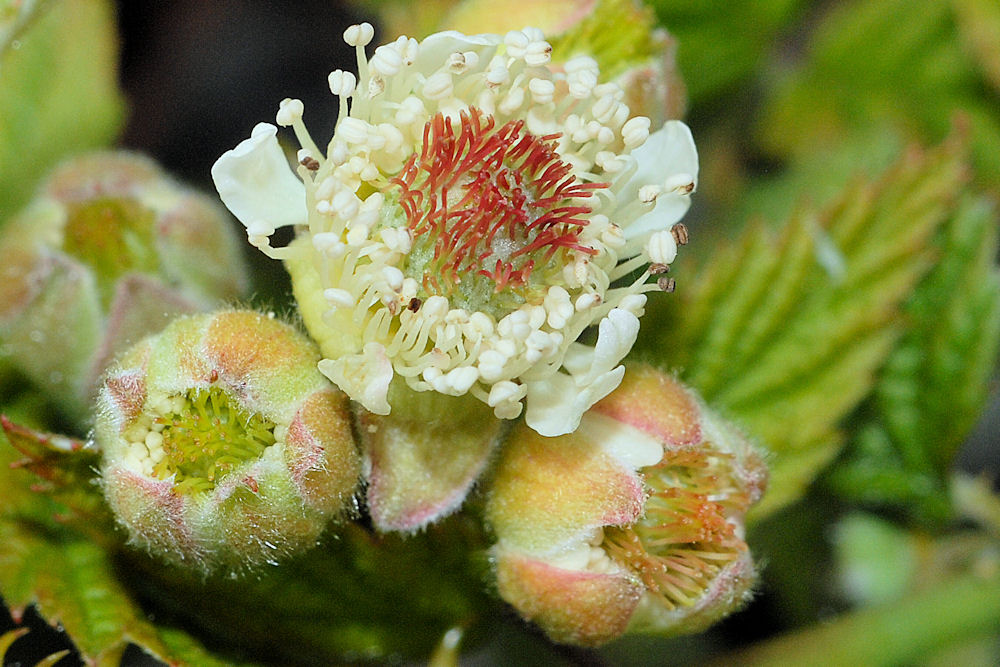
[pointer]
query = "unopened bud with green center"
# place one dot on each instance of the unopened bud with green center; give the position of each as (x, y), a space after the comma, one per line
(222, 445)
(109, 251)
(634, 523)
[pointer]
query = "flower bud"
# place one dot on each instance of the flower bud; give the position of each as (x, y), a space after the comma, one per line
(422, 460)
(640, 58)
(223, 447)
(634, 523)
(108, 252)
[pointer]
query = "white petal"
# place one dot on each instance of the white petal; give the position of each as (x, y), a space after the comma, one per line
(256, 183)
(667, 154)
(616, 335)
(556, 404)
(435, 50)
(364, 377)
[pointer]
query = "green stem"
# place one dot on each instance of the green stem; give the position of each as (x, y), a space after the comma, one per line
(962, 608)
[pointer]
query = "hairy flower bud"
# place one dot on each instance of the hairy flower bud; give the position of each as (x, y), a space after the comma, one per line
(634, 523)
(109, 251)
(422, 460)
(223, 447)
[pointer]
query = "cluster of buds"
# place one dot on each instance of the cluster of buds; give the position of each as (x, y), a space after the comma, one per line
(634, 523)
(109, 251)
(476, 211)
(222, 445)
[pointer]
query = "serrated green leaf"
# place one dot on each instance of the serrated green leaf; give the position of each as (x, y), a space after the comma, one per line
(58, 93)
(895, 62)
(73, 582)
(785, 331)
(937, 379)
(51, 477)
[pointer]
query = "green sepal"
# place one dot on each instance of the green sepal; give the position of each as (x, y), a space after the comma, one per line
(936, 380)
(785, 330)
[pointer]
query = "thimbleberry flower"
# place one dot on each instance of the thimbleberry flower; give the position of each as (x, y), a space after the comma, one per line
(633, 523)
(222, 445)
(474, 213)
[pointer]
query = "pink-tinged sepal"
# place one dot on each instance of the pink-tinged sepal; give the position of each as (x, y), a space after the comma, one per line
(52, 338)
(422, 460)
(318, 454)
(574, 606)
(141, 305)
(156, 514)
(550, 493)
(656, 404)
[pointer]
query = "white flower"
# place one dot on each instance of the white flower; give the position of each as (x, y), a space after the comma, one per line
(474, 213)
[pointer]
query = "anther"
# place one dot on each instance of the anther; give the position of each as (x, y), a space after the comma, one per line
(666, 284)
(657, 268)
(680, 233)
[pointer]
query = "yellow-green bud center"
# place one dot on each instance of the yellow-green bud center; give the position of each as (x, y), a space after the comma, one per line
(113, 236)
(207, 438)
(684, 539)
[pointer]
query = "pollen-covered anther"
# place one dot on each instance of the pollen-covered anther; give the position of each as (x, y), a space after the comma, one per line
(342, 83)
(681, 184)
(662, 247)
(680, 233)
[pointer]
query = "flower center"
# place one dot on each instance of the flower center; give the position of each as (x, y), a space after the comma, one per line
(491, 209)
(113, 236)
(684, 538)
(207, 438)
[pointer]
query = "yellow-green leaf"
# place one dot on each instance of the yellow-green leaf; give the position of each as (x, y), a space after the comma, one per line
(74, 582)
(58, 93)
(893, 62)
(937, 379)
(786, 330)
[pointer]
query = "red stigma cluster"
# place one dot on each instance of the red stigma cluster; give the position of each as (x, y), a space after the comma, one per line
(494, 201)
